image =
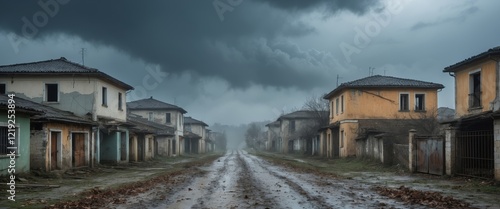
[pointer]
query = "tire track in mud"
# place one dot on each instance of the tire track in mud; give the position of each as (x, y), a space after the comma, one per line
(307, 200)
(252, 190)
(328, 193)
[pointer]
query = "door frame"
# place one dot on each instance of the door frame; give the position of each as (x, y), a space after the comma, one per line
(59, 149)
(86, 143)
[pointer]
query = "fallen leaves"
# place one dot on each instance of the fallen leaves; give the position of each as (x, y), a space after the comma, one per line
(426, 198)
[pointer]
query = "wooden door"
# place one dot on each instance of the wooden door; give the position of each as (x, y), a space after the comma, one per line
(53, 150)
(78, 149)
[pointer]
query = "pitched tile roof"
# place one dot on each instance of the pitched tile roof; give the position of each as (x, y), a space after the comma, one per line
(301, 114)
(45, 112)
(59, 66)
(275, 123)
(152, 104)
(493, 52)
(190, 120)
(379, 81)
(143, 125)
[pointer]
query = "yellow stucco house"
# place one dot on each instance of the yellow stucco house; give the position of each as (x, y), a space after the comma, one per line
(374, 102)
(474, 142)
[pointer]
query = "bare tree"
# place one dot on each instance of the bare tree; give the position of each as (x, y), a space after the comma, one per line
(252, 135)
(320, 107)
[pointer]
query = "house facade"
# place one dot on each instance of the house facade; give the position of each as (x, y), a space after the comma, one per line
(273, 136)
(165, 114)
(198, 128)
(473, 142)
(85, 91)
(296, 129)
(359, 106)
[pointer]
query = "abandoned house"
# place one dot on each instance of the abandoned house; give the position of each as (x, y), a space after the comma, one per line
(195, 141)
(298, 131)
(473, 141)
(85, 91)
(362, 108)
(162, 113)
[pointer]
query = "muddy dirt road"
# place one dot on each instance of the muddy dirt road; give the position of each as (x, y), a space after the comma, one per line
(240, 180)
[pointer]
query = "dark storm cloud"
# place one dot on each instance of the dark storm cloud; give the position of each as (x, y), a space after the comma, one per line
(460, 17)
(332, 6)
(184, 36)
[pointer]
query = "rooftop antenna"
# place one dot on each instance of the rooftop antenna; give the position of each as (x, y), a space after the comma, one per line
(370, 71)
(83, 55)
(338, 77)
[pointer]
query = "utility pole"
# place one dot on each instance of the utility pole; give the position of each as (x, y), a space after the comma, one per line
(83, 56)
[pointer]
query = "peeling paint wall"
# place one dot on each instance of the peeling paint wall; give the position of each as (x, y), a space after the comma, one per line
(80, 95)
(23, 134)
(488, 87)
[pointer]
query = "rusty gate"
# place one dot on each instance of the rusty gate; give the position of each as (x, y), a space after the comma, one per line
(430, 154)
(474, 153)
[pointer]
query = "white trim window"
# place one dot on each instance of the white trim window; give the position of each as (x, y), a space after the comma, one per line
(51, 92)
(404, 102)
(419, 102)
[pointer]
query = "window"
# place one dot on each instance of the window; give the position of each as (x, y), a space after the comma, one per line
(291, 127)
(120, 103)
(342, 138)
(331, 109)
(419, 102)
(150, 116)
(4, 140)
(337, 106)
(475, 90)
(342, 104)
(2, 88)
(404, 100)
(167, 118)
(51, 92)
(104, 96)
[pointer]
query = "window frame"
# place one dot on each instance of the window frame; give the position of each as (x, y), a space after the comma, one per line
(472, 90)
(120, 101)
(17, 127)
(407, 106)
(104, 96)
(168, 118)
(337, 106)
(46, 93)
(291, 128)
(150, 116)
(423, 108)
(341, 104)
(4, 88)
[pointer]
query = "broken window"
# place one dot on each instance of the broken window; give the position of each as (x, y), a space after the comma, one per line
(51, 92)
(167, 118)
(2, 88)
(419, 102)
(475, 90)
(120, 103)
(404, 100)
(104, 96)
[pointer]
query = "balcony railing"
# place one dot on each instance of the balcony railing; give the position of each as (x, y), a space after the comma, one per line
(475, 100)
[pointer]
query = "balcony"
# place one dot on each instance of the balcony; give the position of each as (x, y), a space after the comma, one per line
(475, 100)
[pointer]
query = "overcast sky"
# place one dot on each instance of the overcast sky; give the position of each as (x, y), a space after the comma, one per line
(238, 61)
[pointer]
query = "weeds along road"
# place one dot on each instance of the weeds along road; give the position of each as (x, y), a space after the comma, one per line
(240, 180)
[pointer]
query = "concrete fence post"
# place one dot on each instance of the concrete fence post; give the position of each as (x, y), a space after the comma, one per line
(412, 161)
(449, 150)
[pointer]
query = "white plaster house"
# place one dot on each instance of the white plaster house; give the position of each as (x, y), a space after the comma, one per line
(162, 113)
(83, 90)
(198, 128)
